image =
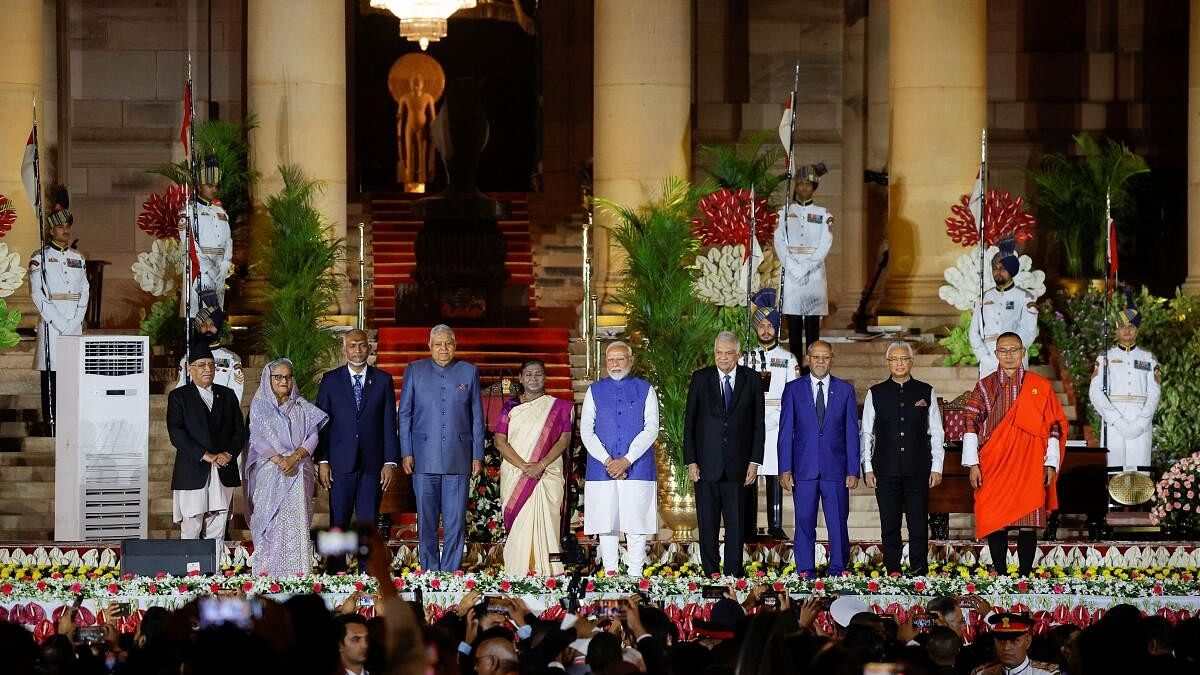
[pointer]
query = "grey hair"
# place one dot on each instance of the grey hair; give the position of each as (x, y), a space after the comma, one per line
(441, 328)
(617, 344)
(729, 337)
(280, 362)
(898, 344)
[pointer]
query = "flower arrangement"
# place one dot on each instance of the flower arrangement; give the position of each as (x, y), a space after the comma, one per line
(12, 276)
(8, 215)
(1004, 217)
(724, 219)
(485, 521)
(160, 213)
(1177, 495)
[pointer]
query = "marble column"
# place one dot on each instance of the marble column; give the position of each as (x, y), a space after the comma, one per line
(641, 115)
(296, 86)
(851, 222)
(938, 93)
(1192, 284)
(20, 85)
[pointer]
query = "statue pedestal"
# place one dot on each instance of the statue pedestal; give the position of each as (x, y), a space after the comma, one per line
(460, 276)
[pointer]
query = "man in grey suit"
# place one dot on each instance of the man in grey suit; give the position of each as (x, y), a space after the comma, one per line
(441, 445)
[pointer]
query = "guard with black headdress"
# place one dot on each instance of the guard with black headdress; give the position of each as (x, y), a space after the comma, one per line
(802, 241)
(214, 243)
(1125, 392)
(1003, 309)
(777, 366)
(58, 286)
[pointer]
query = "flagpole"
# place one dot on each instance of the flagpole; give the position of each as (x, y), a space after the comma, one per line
(983, 190)
(190, 222)
(750, 272)
(41, 221)
(1108, 244)
(791, 181)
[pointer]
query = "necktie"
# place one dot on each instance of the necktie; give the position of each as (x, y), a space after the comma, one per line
(358, 391)
(821, 403)
(728, 390)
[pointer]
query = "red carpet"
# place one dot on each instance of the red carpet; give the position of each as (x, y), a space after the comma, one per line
(394, 234)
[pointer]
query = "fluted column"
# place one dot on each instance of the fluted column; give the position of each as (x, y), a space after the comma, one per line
(642, 112)
(938, 65)
(296, 85)
(20, 85)
(1192, 284)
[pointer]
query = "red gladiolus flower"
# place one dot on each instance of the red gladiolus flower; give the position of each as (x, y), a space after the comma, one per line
(182, 588)
(1023, 586)
(358, 585)
(505, 586)
(778, 587)
(470, 584)
(398, 582)
(1005, 217)
(41, 585)
(1058, 588)
(1158, 589)
(591, 586)
(692, 586)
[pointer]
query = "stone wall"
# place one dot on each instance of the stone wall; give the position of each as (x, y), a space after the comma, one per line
(123, 64)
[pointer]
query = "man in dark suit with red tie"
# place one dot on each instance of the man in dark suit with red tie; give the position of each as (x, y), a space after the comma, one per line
(358, 451)
(818, 457)
(723, 433)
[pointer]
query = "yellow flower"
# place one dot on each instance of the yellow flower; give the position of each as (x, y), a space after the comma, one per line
(601, 574)
(649, 572)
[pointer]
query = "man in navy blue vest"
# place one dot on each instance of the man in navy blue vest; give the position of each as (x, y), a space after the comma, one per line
(441, 442)
(902, 456)
(618, 425)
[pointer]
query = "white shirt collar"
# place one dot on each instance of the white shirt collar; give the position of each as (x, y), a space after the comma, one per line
(732, 377)
(1022, 667)
(352, 373)
(825, 381)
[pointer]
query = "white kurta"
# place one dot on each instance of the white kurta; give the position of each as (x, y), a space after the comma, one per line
(1012, 310)
(801, 242)
(629, 506)
(61, 298)
(229, 371)
(1128, 408)
(214, 249)
(782, 365)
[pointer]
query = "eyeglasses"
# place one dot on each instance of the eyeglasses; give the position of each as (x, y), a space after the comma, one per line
(899, 359)
(1010, 350)
(208, 365)
(281, 378)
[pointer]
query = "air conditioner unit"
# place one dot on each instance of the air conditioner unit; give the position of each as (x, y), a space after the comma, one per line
(102, 437)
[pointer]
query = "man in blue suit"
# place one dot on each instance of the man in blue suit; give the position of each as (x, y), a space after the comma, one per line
(357, 450)
(441, 442)
(818, 457)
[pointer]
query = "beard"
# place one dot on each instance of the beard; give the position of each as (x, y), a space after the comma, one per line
(619, 375)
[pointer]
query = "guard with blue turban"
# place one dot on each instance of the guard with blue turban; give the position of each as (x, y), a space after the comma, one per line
(1003, 309)
(777, 366)
(1127, 397)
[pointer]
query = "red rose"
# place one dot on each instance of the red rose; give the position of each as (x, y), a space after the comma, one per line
(920, 586)
(818, 585)
(153, 588)
(692, 586)
(56, 575)
(470, 584)
(317, 587)
(41, 585)
(247, 586)
(458, 573)
(228, 573)
(114, 588)
(505, 585)
(715, 575)
(1058, 588)
(398, 582)
(1158, 589)
(760, 574)
(491, 524)
(358, 585)
(214, 588)
(872, 586)
(971, 587)
(435, 584)
(482, 490)
(127, 577)
(6, 589)
(160, 575)
(894, 574)
(1023, 586)
(275, 587)
(741, 584)
(75, 587)
(644, 584)
(778, 587)
(591, 586)
(551, 583)
(182, 588)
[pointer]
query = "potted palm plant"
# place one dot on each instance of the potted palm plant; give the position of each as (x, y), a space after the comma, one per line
(1071, 193)
(670, 328)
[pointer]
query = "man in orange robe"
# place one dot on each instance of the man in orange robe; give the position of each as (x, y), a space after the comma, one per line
(1012, 449)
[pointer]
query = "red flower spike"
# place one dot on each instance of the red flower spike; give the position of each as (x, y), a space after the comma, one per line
(358, 585)
(8, 215)
(6, 589)
(1004, 217)
(591, 586)
(919, 586)
(160, 213)
(114, 589)
(725, 219)
(970, 587)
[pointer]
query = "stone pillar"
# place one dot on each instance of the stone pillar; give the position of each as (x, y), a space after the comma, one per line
(851, 222)
(296, 86)
(1192, 284)
(20, 84)
(938, 65)
(642, 113)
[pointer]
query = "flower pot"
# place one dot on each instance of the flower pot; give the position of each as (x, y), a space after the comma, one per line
(676, 499)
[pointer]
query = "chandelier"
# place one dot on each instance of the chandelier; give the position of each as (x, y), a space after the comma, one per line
(423, 21)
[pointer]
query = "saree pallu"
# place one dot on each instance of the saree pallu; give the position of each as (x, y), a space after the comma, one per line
(533, 508)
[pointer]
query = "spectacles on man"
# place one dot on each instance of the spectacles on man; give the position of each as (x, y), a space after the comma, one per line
(899, 359)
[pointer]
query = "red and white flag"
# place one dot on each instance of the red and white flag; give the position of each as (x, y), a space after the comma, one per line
(187, 115)
(28, 176)
(785, 131)
(1112, 255)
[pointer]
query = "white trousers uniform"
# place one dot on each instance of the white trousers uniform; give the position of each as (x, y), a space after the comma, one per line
(1128, 407)
(782, 365)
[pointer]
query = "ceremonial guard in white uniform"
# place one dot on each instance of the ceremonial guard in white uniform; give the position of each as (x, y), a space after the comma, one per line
(60, 295)
(214, 243)
(1005, 308)
(777, 366)
(1127, 398)
(802, 241)
(228, 364)
(618, 426)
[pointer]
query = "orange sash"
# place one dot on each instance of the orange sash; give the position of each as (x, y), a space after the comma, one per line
(1011, 459)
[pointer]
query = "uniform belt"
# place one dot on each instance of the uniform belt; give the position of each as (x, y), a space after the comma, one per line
(64, 296)
(772, 404)
(1127, 398)
(212, 250)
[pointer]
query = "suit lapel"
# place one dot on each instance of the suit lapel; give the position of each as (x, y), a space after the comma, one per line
(739, 383)
(829, 400)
